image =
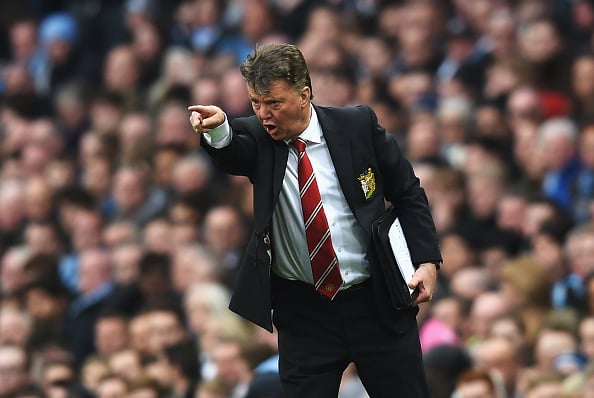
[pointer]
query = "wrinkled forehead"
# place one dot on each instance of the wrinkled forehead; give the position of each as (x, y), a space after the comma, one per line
(275, 88)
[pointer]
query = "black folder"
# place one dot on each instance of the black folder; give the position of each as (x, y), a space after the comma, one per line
(388, 247)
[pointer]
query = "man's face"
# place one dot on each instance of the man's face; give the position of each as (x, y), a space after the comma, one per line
(165, 331)
(283, 111)
(111, 335)
(13, 372)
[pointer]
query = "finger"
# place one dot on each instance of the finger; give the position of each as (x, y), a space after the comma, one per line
(210, 122)
(203, 110)
(196, 122)
(196, 108)
(422, 297)
(197, 117)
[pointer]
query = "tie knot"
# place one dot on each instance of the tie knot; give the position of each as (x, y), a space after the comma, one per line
(299, 144)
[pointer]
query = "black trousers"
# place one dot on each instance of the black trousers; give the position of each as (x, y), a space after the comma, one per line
(318, 338)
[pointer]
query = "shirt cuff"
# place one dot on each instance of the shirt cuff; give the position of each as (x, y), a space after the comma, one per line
(220, 136)
(436, 263)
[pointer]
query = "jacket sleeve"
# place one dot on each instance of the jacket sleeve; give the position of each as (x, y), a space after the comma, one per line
(402, 188)
(239, 157)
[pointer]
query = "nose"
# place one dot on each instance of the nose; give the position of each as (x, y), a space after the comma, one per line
(263, 112)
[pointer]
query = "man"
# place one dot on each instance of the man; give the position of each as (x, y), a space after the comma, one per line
(110, 333)
(14, 369)
(357, 165)
(475, 383)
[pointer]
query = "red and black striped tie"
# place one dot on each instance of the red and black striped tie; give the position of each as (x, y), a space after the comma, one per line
(324, 264)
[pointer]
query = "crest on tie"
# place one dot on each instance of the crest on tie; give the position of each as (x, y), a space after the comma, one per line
(367, 181)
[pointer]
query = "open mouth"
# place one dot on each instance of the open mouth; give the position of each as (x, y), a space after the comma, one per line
(270, 129)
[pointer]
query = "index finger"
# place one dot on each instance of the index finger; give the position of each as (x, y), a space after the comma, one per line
(196, 108)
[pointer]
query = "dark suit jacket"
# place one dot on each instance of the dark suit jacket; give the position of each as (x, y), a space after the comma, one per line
(358, 146)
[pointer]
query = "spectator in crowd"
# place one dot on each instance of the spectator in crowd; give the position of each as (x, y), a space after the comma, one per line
(232, 367)
(126, 263)
(183, 358)
(499, 357)
(212, 389)
(72, 118)
(171, 126)
(92, 371)
(192, 264)
(111, 386)
(135, 137)
(443, 365)
(582, 79)
(144, 388)
(126, 363)
(178, 69)
(121, 73)
(550, 342)
(16, 326)
(486, 307)
(558, 140)
(165, 327)
(185, 215)
(584, 183)
(551, 57)
(191, 175)
(204, 300)
(38, 199)
(14, 371)
(547, 249)
(224, 231)
(475, 383)
(84, 233)
(64, 57)
(543, 385)
(139, 332)
(455, 118)
(569, 290)
(524, 284)
(46, 301)
(512, 328)
(469, 283)
(94, 287)
(223, 326)
(134, 198)
(12, 273)
(57, 376)
(589, 286)
(157, 236)
(42, 238)
(111, 333)
(23, 40)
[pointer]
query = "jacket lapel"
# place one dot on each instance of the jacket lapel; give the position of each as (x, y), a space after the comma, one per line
(281, 154)
(340, 151)
(270, 176)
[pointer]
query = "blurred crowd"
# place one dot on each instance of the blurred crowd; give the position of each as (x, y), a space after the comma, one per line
(119, 241)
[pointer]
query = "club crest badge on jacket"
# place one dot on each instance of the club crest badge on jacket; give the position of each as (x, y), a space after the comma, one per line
(367, 181)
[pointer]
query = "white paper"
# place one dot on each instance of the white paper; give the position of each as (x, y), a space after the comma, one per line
(401, 252)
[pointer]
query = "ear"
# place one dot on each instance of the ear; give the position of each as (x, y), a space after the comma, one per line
(304, 96)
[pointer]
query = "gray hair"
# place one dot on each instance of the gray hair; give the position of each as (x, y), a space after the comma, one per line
(271, 62)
